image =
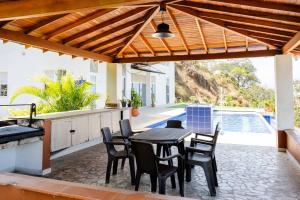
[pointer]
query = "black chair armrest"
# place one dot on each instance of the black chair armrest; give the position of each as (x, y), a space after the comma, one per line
(118, 137)
(195, 141)
(205, 135)
(118, 143)
(194, 149)
(178, 156)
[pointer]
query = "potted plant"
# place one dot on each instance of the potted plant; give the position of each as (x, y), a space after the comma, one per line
(123, 102)
(136, 103)
(129, 103)
(153, 100)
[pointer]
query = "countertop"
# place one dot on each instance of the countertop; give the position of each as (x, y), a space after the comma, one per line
(59, 115)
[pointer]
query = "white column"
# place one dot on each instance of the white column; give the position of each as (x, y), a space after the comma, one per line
(284, 92)
(148, 89)
(128, 81)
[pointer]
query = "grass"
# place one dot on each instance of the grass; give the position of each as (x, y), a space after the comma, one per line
(179, 105)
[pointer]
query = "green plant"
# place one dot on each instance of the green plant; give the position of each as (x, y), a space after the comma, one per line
(57, 96)
(136, 100)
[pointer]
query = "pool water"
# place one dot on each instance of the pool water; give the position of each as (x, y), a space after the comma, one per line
(244, 122)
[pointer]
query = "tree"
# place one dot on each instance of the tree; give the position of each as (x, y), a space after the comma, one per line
(57, 96)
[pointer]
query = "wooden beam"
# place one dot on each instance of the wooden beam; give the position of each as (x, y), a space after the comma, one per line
(146, 43)
(240, 19)
(265, 35)
(247, 44)
(104, 24)
(43, 23)
(240, 11)
(195, 13)
(292, 44)
(102, 44)
(150, 15)
(263, 4)
(4, 23)
(201, 34)
(44, 44)
(77, 23)
(112, 47)
(164, 43)
(10, 10)
(134, 50)
(173, 19)
(248, 54)
(224, 38)
(97, 37)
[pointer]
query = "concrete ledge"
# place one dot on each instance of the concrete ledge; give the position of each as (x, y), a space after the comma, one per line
(16, 186)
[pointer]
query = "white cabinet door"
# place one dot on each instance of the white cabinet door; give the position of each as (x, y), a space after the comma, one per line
(80, 127)
(95, 127)
(106, 120)
(60, 134)
(116, 116)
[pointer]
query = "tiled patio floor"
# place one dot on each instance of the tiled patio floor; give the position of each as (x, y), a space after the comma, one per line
(245, 172)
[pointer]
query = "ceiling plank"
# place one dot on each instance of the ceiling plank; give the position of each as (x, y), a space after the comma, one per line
(102, 44)
(103, 25)
(134, 50)
(45, 44)
(224, 38)
(240, 11)
(109, 32)
(292, 44)
(150, 15)
(164, 43)
(195, 13)
(77, 23)
(43, 23)
(264, 4)
(245, 54)
(146, 43)
(10, 10)
(4, 23)
(121, 44)
(201, 34)
(173, 19)
(240, 19)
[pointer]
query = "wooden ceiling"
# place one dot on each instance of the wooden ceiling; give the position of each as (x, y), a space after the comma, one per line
(121, 30)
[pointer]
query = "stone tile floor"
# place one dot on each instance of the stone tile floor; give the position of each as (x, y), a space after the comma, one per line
(244, 172)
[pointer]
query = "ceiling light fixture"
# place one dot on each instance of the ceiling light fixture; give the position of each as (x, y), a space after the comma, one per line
(163, 29)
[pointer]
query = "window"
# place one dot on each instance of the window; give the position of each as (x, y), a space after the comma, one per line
(56, 75)
(168, 91)
(3, 84)
(94, 66)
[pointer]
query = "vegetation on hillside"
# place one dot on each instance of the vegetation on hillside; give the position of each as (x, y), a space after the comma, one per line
(57, 96)
(228, 83)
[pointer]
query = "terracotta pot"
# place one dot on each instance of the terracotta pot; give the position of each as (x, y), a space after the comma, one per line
(135, 112)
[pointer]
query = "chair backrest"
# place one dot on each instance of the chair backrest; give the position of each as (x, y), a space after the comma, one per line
(125, 127)
(216, 134)
(107, 137)
(174, 124)
(145, 157)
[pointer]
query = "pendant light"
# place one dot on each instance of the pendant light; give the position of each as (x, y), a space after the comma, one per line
(163, 29)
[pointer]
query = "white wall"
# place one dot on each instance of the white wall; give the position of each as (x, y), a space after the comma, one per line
(23, 65)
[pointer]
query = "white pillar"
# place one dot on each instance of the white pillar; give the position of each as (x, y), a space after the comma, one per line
(114, 82)
(148, 89)
(284, 92)
(128, 81)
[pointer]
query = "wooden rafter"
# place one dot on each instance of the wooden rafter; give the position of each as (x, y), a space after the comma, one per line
(150, 15)
(240, 19)
(265, 35)
(4, 23)
(228, 55)
(224, 38)
(197, 14)
(107, 42)
(44, 44)
(180, 34)
(77, 23)
(163, 41)
(43, 23)
(263, 4)
(111, 31)
(146, 43)
(292, 44)
(112, 47)
(104, 24)
(201, 34)
(10, 10)
(240, 11)
(134, 50)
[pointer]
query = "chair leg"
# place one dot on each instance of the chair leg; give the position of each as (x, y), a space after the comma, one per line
(188, 170)
(153, 179)
(209, 174)
(115, 166)
(108, 170)
(132, 170)
(215, 163)
(173, 181)
(137, 180)
(180, 182)
(158, 150)
(162, 186)
(123, 163)
(214, 167)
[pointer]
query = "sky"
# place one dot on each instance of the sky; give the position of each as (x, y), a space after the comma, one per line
(265, 70)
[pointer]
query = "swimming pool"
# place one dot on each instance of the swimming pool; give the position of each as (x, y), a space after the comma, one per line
(230, 121)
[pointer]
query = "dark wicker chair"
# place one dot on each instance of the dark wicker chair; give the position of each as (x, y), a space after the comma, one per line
(147, 162)
(113, 155)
